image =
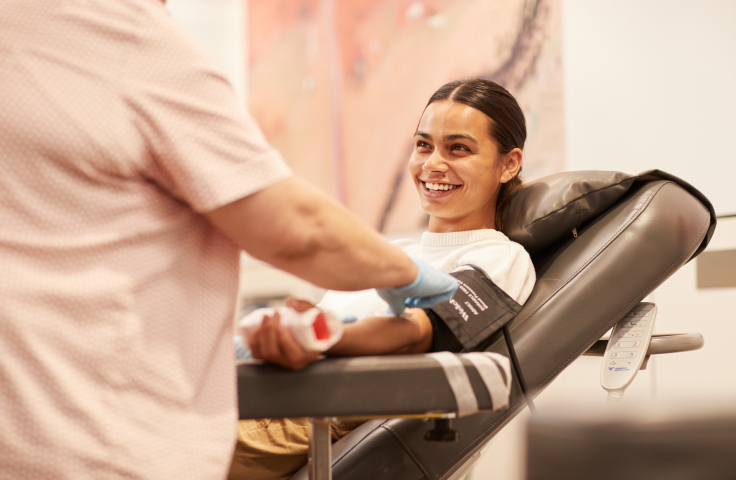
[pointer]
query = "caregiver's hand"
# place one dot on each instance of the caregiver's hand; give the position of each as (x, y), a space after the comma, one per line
(273, 343)
(428, 289)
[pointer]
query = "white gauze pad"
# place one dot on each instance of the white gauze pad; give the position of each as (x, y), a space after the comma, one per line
(314, 329)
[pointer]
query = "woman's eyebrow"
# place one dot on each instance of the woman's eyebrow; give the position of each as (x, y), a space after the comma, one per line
(448, 138)
(456, 136)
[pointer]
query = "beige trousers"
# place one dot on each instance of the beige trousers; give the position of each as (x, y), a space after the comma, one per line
(275, 448)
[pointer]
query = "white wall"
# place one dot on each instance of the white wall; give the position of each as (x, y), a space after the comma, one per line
(650, 84)
(219, 28)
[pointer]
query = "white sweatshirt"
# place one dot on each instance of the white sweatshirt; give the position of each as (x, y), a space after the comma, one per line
(504, 261)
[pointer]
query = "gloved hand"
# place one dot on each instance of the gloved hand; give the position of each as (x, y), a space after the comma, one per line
(427, 290)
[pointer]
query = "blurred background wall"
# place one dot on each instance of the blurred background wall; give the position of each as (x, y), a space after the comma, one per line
(339, 86)
(627, 85)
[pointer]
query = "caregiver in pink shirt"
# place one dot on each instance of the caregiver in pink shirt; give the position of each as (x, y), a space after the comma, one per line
(130, 178)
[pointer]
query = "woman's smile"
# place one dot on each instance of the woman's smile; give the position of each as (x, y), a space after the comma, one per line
(438, 189)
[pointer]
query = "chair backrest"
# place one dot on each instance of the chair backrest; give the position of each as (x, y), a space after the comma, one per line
(625, 247)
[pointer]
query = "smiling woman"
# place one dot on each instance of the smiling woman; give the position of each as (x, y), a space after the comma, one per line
(465, 164)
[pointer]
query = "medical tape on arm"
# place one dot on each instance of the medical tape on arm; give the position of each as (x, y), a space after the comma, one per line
(488, 366)
(459, 382)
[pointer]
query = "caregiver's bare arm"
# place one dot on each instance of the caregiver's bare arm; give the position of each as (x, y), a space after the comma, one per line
(299, 229)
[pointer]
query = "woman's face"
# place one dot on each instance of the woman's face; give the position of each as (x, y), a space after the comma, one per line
(456, 167)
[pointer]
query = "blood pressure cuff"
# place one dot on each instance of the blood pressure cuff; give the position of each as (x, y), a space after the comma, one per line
(478, 309)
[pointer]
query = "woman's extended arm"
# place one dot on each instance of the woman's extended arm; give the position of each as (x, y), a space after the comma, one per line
(410, 333)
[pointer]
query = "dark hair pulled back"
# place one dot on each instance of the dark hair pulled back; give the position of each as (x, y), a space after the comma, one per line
(507, 123)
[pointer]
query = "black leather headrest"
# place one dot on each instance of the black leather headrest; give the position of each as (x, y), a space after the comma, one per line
(549, 208)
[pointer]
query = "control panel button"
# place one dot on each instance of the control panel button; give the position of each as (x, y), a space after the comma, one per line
(627, 344)
(642, 323)
(623, 354)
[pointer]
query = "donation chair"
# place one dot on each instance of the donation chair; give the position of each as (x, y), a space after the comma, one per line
(600, 243)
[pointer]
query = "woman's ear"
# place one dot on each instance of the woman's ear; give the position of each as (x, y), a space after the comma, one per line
(511, 164)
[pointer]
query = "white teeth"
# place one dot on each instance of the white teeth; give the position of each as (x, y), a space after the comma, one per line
(440, 186)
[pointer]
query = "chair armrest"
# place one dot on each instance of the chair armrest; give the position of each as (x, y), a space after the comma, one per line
(660, 343)
(380, 386)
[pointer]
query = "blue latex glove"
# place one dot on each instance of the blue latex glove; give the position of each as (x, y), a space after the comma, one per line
(427, 290)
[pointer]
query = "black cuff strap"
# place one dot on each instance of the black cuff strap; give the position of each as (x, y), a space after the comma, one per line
(478, 309)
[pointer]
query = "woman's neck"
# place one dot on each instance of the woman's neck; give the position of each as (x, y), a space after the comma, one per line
(443, 225)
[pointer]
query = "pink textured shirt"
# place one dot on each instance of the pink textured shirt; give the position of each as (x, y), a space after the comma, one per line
(116, 295)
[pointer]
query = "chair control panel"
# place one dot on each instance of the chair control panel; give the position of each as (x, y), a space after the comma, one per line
(627, 347)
